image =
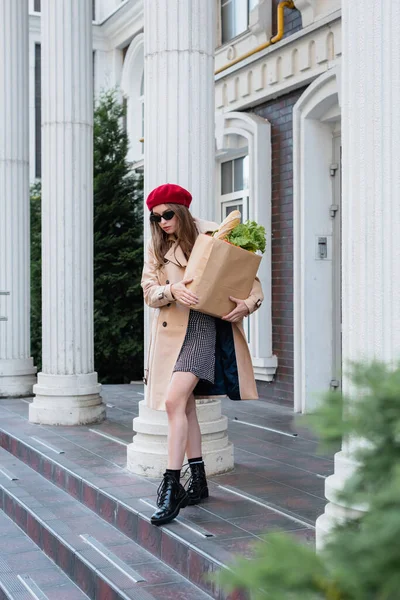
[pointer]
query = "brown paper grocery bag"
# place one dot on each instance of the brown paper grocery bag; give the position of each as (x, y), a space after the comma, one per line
(220, 270)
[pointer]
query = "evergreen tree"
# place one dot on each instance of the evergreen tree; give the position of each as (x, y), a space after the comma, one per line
(36, 276)
(118, 253)
(361, 560)
(118, 249)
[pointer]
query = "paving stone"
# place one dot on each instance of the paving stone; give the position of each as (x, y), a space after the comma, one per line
(61, 541)
(21, 557)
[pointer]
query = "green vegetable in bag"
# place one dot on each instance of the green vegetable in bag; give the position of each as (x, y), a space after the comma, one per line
(249, 236)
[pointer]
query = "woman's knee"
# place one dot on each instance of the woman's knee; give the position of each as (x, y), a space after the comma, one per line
(174, 405)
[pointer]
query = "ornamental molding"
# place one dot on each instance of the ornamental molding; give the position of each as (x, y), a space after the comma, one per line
(131, 78)
(261, 18)
(133, 67)
(294, 62)
(312, 10)
(123, 24)
(240, 45)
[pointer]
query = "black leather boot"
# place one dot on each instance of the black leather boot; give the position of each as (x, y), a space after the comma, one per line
(171, 497)
(197, 489)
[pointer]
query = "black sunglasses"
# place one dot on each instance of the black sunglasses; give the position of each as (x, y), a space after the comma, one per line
(168, 215)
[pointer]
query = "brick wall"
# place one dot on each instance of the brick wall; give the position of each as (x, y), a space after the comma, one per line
(279, 113)
(292, 19)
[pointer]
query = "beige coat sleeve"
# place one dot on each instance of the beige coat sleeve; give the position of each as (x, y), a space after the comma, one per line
(155, 295)
(256, 297)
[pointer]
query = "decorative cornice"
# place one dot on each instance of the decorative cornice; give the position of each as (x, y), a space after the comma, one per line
(99, 40)
(123, 24)
(312, 10)
(296, 61)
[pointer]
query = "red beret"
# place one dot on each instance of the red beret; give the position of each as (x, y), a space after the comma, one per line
(169, 193)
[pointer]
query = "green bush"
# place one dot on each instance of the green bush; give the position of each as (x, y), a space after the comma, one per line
(118, 249)
(118, 252)
(361, 560)
(36, 275)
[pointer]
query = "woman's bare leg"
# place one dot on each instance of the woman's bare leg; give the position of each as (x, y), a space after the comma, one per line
(193, 446)
(179, 391)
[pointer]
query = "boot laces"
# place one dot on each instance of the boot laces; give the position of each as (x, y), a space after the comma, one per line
(194, 478)
(163, 488)
(187, 465)
(188, 483)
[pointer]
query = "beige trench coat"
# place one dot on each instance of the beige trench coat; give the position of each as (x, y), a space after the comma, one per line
(170, 320)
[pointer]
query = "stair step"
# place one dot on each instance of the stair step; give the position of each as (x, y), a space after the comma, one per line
(186, 544)
(203, 539)
(26, 573)
(101, 560)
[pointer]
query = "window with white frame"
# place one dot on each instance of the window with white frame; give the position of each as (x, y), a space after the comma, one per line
(234, 193)
(243, 181)
(235, 17)
(235, 196)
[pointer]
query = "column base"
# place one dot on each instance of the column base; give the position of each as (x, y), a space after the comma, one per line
(17, 377)
(147, 455)
(67, 400)
(335, 512)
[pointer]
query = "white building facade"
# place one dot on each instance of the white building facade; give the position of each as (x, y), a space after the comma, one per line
(281, 127)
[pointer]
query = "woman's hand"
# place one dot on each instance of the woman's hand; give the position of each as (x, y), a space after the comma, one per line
(237, 313)
(182, 294)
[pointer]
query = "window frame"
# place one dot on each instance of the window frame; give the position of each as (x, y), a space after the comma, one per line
(237, 134)
(221, 5)
(233, 199)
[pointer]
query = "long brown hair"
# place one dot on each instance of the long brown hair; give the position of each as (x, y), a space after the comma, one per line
(186, 234)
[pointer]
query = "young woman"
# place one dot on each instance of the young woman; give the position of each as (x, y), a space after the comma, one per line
(189, 352)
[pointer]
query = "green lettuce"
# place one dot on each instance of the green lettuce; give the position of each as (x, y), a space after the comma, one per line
(249, 236)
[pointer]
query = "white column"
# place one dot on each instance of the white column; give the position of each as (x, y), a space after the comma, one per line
(179, 148)
(67, 391)
(371, 208)
(179, 92)
(17, 373)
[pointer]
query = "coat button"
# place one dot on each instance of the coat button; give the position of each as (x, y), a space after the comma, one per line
(164, 324)
(167, 282)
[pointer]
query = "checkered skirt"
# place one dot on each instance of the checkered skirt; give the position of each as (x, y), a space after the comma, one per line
(197, 354)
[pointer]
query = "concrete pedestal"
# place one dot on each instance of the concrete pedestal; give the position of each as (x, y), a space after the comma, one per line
(147, 455)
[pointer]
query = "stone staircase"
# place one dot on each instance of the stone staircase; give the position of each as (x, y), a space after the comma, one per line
(26, 572)
(99, 543)
(85, 520)
(90, 555)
